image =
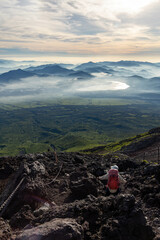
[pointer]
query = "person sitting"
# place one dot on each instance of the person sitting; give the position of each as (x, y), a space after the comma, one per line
(115, 180)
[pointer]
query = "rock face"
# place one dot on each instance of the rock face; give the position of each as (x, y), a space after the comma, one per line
(65, 200)
(57, 229)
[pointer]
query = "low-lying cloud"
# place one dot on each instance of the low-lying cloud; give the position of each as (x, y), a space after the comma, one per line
(117, 79)
(53, 87)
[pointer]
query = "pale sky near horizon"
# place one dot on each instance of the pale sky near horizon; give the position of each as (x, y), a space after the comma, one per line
(80, 29)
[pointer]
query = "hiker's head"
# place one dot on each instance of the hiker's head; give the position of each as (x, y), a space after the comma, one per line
(114, 167)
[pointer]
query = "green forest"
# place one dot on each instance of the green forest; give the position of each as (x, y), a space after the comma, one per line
(32, 128)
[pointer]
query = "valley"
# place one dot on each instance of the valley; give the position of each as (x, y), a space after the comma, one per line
(28, 128)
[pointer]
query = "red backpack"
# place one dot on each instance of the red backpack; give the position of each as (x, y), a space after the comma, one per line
(113, 179)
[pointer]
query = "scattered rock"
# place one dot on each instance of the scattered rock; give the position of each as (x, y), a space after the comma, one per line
(81, 188)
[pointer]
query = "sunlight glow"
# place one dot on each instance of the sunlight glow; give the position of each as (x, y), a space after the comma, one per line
(128, 5)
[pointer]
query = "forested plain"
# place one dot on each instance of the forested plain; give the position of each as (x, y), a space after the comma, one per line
(28, 129)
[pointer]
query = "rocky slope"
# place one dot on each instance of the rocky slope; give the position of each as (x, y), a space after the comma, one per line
(140, 145)
(43, 199)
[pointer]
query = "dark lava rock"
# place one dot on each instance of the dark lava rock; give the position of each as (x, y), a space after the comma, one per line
(83, 187)
(57, 229)
(65, 200)
(22, 218)
(125, 202)
(6, 171)
(5, 230)
(152, 169)
(79, 159)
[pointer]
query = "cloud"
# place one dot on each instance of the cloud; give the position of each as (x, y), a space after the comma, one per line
(82, 25)
(53, 86)
(25, 51)
(149, 16)
(78, 27)
(23, 2)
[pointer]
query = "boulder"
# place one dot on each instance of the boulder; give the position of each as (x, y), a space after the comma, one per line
(81, 188)
(22, 218)
(57, 229)
(125, 202)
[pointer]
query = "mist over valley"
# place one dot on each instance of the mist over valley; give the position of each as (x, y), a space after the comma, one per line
(123, 79)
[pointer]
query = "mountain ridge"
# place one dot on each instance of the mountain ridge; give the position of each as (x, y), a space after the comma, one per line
(41, 71)
(14, 75)
(138, 145)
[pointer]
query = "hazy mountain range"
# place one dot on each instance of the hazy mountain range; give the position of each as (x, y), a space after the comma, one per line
(100, 79)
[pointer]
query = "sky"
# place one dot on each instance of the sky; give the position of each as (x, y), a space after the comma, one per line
(78, 30)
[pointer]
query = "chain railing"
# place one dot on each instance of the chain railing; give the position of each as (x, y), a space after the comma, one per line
(7, 201)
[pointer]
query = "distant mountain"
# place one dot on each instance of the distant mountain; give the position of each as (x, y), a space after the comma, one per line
(99, 70)
(137, 83)
(31, 69)
(92, 67)
(155, 83)
(80, 74)
(127, 63)
(149, 81)
(56, 69)
(137, 77)
(155, 79)
(65, 65)
(83, 66)
(50, 69)
(14, 75)
(140, 83)
(106, 64)
(42, 71)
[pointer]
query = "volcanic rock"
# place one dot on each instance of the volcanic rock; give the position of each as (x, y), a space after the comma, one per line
(66, 199)
(57, 229)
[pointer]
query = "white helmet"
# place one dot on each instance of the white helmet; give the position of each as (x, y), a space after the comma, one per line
(114, 167)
